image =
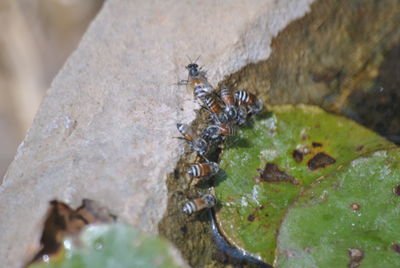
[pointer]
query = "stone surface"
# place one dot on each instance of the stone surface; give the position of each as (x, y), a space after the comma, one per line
(105, 128)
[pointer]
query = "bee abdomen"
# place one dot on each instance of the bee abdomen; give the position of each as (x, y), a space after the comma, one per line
(184, 130)
(203, 169)
(227, 97)
(201, 91)
(242, 97)
(204, 201)
(212, 105)
(189, 208)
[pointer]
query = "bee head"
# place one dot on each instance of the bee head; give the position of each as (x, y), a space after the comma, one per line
(193, 69)
(209, 200)
(214, 167)
(231, 112)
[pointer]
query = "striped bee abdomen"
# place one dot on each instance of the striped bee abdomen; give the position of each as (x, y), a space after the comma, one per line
(213, 105)
(204, 201)
(203, 169)
(227, 97)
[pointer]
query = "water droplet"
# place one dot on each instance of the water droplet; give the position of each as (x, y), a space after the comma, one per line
(98, 246)
(67, 244)
(46, 258)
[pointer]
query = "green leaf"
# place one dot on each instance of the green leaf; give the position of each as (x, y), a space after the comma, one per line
(353, 208)
(300, 144)
(112, 245)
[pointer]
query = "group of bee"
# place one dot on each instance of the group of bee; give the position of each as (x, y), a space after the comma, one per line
(227, 111)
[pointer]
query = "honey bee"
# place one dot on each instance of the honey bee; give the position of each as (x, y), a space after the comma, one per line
(229, 101)
(201, 91)
(199, 145)
(241, 116)
(227, 97)
(216, 132)
(197, 204)
(249, 100)
(215, 109)
(197, 81)
(203, 169)
(212, 105)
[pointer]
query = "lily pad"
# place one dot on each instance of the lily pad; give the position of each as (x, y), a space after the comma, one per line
(111, 245)
(269, 163)
(354, 209)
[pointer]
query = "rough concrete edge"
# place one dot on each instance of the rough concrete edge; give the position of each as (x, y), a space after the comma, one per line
(254, 44)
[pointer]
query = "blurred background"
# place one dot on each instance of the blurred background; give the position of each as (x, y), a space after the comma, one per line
(37, 38)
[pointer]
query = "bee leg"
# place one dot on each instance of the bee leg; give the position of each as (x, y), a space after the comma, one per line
(194, 182)
(206, 159)
(183, 82)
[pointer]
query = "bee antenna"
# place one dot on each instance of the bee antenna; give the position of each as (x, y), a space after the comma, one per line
(197, 59)
(190, 60)
(206, 108)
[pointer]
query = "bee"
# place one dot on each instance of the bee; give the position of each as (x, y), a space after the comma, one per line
(229, 101)
(199, 145)
(216, 132)
(212, 105)
(249, 100)
(201, 91)
(203, 169)
(227, 97)
(197, 204)
(215, 109)
(241, 115)
(197, 81)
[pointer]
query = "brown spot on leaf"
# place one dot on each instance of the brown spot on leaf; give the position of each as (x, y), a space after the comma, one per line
(305, 137)
(291, 253)
(297, 155)
(320, 160)
(316, 144)
(396, 190)
(359, 148)
(396, 247)
(251, 217)
(355, 206)
(272, 173)
(356, 255)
